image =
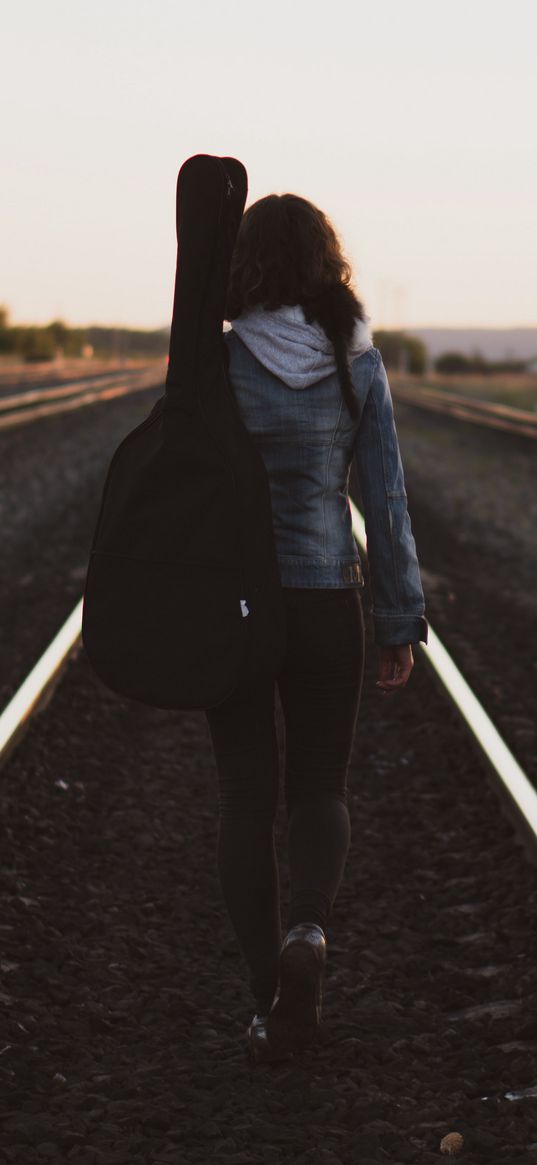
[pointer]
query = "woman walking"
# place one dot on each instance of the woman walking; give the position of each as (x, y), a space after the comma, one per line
(313, 392)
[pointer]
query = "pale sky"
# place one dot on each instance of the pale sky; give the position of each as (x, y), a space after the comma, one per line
(410, 122)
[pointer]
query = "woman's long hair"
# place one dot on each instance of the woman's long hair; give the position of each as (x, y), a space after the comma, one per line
(287, 252)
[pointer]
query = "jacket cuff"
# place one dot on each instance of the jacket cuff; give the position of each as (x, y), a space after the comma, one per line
(400, 629)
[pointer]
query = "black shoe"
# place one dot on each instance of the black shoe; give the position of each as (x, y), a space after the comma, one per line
(294, 1019)
(260, 1051)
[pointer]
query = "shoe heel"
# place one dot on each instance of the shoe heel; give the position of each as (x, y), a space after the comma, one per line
(259, 1048)
(301, 986)
(295, 1017)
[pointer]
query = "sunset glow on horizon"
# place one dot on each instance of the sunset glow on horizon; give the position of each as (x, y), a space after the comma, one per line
(411, 125)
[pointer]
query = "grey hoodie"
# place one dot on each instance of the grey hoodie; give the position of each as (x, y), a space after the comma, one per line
(297, 352)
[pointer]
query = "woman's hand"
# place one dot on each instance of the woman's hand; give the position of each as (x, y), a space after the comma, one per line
(394, 667)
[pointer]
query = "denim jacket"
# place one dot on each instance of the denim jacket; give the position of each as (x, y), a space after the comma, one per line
(308, 440)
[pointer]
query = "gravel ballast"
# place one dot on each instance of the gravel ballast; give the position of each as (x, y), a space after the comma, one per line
(123, 997)
(123, 992)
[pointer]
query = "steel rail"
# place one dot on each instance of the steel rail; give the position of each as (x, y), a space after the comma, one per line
(499, 756)
(33, 396)
(48, 373)
(479, 412)
(31, 694)
(65, 399)
(37, 685)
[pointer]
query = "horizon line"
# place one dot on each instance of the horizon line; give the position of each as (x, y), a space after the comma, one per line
(378, 327)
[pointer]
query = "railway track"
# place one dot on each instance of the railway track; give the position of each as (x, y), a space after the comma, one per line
(473, 504)
(124, 997)
(127, 1005)
(47, 671)
(23, 407)
(31, 404)
(47, 374)
(477, 412)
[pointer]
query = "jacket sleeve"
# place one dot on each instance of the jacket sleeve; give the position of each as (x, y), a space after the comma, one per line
(398, 601)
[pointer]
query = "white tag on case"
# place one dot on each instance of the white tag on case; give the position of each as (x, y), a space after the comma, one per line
(244, 607)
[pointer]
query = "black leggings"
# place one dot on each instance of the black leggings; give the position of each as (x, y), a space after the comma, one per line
(319, 685)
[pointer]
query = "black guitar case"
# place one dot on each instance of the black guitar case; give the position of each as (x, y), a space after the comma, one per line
(183, 595)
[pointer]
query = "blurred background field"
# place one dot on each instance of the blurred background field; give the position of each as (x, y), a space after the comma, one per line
(500, 371)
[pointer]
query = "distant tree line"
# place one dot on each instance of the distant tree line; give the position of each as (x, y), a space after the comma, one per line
(37, 343)
(399, 350)
(409, 354)
(457, 363)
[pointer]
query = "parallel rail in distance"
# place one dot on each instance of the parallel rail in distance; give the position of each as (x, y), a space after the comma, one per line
(30, 696)
(23, 407)
(479, 412)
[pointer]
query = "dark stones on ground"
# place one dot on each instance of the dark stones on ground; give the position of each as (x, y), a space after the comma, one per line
(124, 998)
